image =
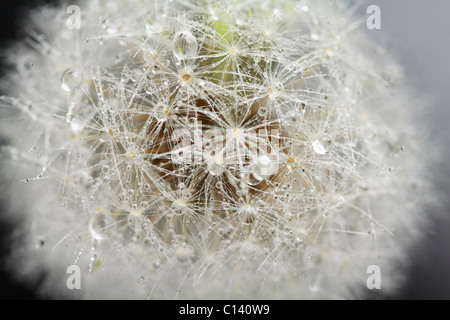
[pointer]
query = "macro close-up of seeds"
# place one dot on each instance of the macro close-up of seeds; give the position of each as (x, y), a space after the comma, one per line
(194, 149)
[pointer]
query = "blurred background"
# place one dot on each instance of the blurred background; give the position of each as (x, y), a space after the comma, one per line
(417, 33)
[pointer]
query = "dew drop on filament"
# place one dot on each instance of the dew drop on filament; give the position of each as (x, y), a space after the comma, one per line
(318, 147)
(106, 135)
(216, 165)
(152, 27)
(184, 45)
(247, 214)
(97, 226)
(261, 170)
(70, 79)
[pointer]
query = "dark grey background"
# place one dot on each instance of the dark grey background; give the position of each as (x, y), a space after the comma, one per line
(418, 35)
(417, 32)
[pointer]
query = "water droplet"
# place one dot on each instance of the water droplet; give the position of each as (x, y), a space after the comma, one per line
(313, 288)
(151, 26)
(315, 36)
(77, 125)
(179, 206)
(156, 264)
(69, 117)
(216, 165)
(262, 111)
(106, 135)
(318, 147)
(111, 30)
(184, 45)
(70, 79)
(162, 112)
(262, 169)
(247, 214)
(254, 180)
(290, 117)
(97, 226)
(183, 254)
(150, 88)
(39, 243)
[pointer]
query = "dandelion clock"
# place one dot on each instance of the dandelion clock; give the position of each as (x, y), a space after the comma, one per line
(208, 150)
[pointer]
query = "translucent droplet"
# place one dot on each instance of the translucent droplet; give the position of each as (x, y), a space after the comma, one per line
(226, 205)
(39, 243)
(315, 36)
(106, 135)
(156, 264)
(247, 214)
(97, 226)
(179, 206)
(111, 30)
(184, 45)
(77, 125)
(162, 112)
(183, 254)
(151, 26)
(70, 79)
(318, 147)
(313, 288)
(290, 118)
(216, 165)
(262, 169)
(254, 180)
(262, 111)
(69, 117)
(150, 88)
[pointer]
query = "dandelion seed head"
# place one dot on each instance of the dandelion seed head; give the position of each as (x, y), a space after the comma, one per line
(202, 149)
